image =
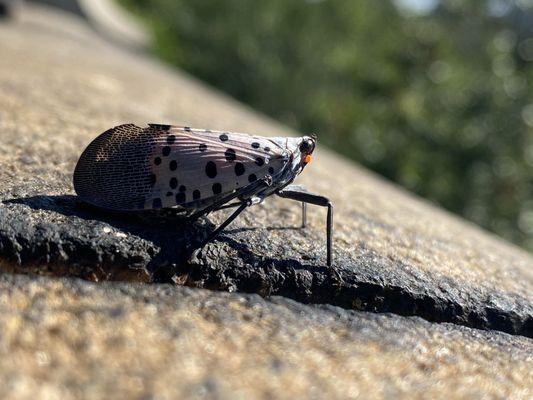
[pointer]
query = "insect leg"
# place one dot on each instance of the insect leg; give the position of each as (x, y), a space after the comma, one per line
(223, 207)
(213, 207)
(300, 188)
(304, 214)
(298, 194)
(228, 221)
(220, 204)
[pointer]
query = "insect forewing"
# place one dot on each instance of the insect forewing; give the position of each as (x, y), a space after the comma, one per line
(191, 165)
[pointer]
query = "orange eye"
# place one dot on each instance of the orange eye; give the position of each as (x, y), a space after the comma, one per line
(307, 159)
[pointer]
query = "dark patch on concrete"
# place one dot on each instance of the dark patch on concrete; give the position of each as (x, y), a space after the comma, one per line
(90, 241)
(72, 239)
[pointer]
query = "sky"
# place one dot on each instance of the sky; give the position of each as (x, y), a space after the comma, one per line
(417, 6)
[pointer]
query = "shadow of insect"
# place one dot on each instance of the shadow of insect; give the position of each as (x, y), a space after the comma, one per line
(175, 239)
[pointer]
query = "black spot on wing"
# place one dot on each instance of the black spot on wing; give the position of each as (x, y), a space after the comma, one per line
(270, 170)
(182, 188)
(173, 165)
(230, 155)
(211, 169)
(202, 147)
(180, 198)
(173, 183)
(255, 145)
(223, 137)
(260, 161)
(252, 178)
(171, 139)
(217, 188)
(196, 194)
(161, 127)
(239, 169)
(166, 150)
(157, 160)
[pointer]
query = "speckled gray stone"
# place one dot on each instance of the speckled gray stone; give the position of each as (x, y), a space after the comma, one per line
(71, 339)
(61, 85)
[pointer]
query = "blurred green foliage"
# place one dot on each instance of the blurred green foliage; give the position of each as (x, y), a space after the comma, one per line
(441, 103)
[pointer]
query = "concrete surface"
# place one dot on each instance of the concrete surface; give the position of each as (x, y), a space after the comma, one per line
(69, 339)
(109, 19)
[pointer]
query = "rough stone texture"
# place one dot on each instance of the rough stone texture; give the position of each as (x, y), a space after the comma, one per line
(60, 86)
(69, 339)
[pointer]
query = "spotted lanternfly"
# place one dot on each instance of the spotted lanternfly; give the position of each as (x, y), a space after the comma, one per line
(195, 171)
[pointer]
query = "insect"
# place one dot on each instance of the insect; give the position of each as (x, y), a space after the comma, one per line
(195, 171)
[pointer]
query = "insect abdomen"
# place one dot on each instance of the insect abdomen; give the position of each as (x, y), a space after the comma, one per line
(113, 172)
